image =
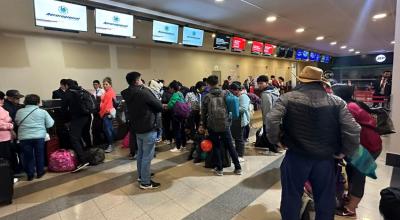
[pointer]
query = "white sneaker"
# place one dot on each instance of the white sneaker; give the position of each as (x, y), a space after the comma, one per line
(175, 150)
(109, 149)
(16, 180)
(183, 149)
(241, 159)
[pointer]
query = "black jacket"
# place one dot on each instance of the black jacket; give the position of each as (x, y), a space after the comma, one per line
(315, 124)
(143, 109)
(70, 106)
(11, 108)
(58, 94)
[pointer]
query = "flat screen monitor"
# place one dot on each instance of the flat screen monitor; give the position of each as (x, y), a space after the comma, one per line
(60, 15)
(269, 49)
(322, 59)
(313, 56)
(114, 23)
(318, 57)
(193, 37)
(289, 53)
(299, 54)
(327, 59)
(257, 47)
(165, 32)
(222, 42)
(238, 44)
(305, 55)
(281, 52)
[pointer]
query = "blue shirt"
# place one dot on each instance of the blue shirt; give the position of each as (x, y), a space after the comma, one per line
(35, 125)
(244, 109)
(232, 105)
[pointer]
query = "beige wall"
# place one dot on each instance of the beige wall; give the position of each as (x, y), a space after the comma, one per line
(35, 63)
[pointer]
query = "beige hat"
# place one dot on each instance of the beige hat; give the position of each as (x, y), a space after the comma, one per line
(310, 74)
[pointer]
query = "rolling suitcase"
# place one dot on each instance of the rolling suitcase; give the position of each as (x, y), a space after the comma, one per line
(6, 182)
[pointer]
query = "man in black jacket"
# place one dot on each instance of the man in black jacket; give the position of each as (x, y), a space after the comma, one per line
(317, 127)
(144, 110)
(60, 93)
(78, 122)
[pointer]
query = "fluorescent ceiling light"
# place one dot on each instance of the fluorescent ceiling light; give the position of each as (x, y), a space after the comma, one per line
(271, 18)
(351, 50)
(320, 38)
(393, 42)
(333, 43)
(358, 52)
(343, 47)
(213, 35)
(379, 16)
(134, 37)
(219, 0)
(250, 42)
(299, 30)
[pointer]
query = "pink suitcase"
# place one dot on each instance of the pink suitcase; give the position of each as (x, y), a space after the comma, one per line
(62, 161)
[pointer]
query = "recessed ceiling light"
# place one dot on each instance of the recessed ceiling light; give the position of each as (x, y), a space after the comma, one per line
(320, 38)
(343, 47)
(351, 50)
(271, 18)
(180, 43)
(134, 37)
(219, 0)
(299, 30)
(358, 52)
(379, 16)
(393, 42)
(333, 43)
(213, 35)
(250, 42)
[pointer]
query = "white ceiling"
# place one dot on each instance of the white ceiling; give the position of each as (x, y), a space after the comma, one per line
(349, 22)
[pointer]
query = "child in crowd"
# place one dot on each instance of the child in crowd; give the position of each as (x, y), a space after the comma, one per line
(196, 151)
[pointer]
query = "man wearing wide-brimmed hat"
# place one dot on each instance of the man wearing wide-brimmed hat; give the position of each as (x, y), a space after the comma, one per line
(317, 127)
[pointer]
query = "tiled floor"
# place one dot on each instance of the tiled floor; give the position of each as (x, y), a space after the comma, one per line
(188, 191)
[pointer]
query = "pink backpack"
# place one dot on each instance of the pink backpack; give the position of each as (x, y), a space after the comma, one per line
(62, 161)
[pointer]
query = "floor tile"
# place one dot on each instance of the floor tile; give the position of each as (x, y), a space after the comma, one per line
(126, 210)
(211, 188)
(168, 211)
(260, 212)
(7, 209)
(192, 200)
(82, 211)
(54, 216)
(110, 200)
(148, 200)
(144, 217)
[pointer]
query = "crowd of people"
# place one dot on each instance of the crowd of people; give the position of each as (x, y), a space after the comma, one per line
(317, 127)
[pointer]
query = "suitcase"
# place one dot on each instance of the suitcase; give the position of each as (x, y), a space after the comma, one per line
(6, 182)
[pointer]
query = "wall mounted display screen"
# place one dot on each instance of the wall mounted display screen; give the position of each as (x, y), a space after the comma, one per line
(165, 32)
(257, 47)
(60, 15)
(222, 42)
(318, 57)
(281, 52)
(289, 53)
(327, 59)
(113, 23)
(313, 56)
(305, 55)
(193, 37)
(269, 49)
(299, 54)
(238, 44)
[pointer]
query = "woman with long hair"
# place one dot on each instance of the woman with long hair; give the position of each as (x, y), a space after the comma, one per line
(107, 112)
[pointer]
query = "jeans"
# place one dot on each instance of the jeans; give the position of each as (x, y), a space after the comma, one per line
(108, 129)
(178, 125)
(226, 138)
(246, 132)
(79, 128)
(237, 134)
(33, 156)
(295, 171)
(146, 145)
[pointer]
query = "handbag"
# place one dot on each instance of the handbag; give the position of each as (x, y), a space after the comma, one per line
(363, 162)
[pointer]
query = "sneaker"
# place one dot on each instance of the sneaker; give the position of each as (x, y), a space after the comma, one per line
(152, 185)
(151, 176)
(241, 159)
(168, 142)
(40, 175)
(80, 167)
(109, 149)
(175, 150)
(158, 140)
(219, 172)
(131, 157)
(346, 213)
(16, 180)
(30, 178)
(238, 171)
(183, 149)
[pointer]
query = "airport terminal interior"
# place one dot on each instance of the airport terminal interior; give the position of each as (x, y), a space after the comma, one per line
(130, 109)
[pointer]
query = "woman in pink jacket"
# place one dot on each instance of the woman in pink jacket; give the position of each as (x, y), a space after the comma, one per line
(107, 112)
(6, 127)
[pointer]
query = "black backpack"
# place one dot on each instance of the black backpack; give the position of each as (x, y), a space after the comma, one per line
(389, 205)
(217, 119)
(87, 102)
(96, 156)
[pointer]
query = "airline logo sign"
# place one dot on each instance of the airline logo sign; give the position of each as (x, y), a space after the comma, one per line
(380, 58)
(113, 23)
(60, 15)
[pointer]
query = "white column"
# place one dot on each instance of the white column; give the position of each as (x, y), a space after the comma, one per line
(395, 138)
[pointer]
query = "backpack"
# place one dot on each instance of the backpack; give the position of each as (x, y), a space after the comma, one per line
(182, 110)
(96, 156)
(389, 205)
(217, 119)
(62, 161)
(384, 123)
(87, 102)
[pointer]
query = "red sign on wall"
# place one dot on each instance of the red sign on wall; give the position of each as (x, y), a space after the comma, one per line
(269, 49)
(257, 47)
(238, 44)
